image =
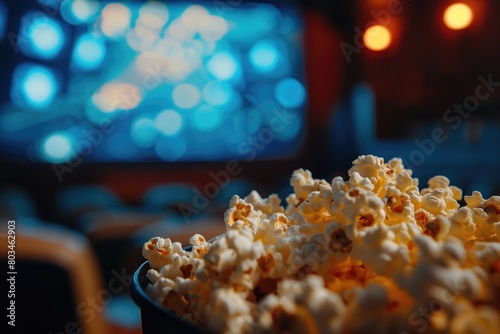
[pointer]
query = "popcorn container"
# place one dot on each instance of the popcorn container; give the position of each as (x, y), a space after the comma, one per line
(154, 317)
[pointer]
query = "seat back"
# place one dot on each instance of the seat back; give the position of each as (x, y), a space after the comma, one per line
(58, 285)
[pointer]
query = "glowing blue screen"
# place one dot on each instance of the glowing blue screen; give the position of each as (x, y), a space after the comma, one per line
(155, 81)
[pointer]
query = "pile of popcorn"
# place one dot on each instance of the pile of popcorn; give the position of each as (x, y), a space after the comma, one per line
(371, 254)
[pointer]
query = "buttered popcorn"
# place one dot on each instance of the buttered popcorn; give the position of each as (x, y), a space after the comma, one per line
(370, 254)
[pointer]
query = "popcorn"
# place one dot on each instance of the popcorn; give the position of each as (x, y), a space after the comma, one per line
(422, 217)
(483, 319)
(486, 214)
(408, 185)
(228, 311)
(438, 228)
(360, 209)
(241, 213)
(267, 206)
(375, 170)
(200, 246)
(405, 232)
(160, 252)
(272, 264)
(337, 239)
(272, 229)
(439, 274)
(399, 208)
(372, 253)
(462, 224)
(160, 287)
(440, 198)
(303, 183)
(434, 202)
(378, 250)
(301, 307)
(371, 310)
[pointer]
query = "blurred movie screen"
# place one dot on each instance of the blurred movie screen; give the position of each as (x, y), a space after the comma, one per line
(138, 81)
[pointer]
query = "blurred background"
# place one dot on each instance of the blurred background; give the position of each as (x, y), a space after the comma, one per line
(121, 121)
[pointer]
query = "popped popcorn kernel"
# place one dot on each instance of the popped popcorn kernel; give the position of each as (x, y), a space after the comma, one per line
(337, 239)
(241, 213)
(434, 202)
(462, 224)
(476, 320)
(160, 252)
(268, 206)
(438, 228)
(302, 183)
(369, 254)
(422, 217)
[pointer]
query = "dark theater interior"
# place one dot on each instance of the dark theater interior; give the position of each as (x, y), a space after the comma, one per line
(125, 120)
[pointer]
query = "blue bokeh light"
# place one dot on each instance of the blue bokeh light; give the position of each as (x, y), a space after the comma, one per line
(290, 93)
(218, 93)
(223, 65)
(40, 36)
(186, 96)
(143, 131)
(39, 88)
(79, 11)
(122, 310)
(57, 147)
(34, 86)
(264, 56)
(187, 99)
(206, 118)
(89, 52)
(169, 122)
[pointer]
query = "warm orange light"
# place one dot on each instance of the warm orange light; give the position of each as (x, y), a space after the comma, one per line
(458, 16)
(377, 38)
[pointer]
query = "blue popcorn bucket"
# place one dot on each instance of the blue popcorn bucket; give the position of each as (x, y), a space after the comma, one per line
(154, 317)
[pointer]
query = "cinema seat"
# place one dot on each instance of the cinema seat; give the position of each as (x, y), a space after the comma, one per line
(166, 197)
(58, 286)
(16, 202)
(110, 233)
(74, 201)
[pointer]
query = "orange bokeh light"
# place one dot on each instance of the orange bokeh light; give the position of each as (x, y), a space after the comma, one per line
(458, 16)
(377, 38)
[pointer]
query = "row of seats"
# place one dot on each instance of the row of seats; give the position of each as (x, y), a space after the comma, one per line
(73, 201)
(75, 271)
